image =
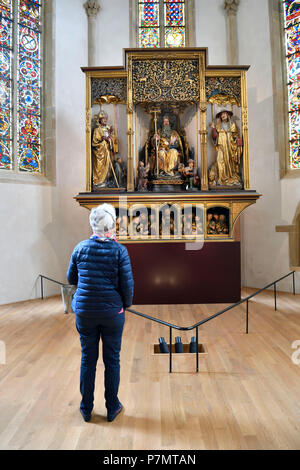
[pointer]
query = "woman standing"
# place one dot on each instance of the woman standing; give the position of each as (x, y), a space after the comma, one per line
(100, 268)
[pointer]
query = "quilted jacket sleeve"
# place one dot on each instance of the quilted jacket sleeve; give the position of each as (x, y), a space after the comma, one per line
(72, 274)
(126, 282)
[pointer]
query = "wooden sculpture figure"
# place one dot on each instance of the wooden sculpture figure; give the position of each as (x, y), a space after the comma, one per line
(226, 170)
(104, 146)
(168, 145)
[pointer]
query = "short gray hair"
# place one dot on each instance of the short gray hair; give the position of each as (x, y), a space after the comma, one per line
(103, 219)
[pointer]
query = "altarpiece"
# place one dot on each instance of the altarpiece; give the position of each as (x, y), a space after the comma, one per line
(167, 145)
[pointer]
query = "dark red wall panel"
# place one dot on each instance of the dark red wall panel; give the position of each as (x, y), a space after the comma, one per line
(167, 273)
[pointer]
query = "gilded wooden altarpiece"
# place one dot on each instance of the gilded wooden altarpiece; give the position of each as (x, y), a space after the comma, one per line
(181, 82)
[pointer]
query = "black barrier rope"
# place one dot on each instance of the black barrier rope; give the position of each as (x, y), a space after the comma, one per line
(196, 326)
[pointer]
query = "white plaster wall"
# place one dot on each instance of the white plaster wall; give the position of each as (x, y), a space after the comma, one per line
(261, 253)
(70, 222)
(113, 32)
(210, 23)
(290, 188)
(25, 249)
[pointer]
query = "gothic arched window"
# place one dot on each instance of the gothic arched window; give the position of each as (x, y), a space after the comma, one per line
(161, 23)
(20, 85)
(291, 12)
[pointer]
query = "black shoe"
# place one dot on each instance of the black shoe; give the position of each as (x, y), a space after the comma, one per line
(86, 417)
(111, 417)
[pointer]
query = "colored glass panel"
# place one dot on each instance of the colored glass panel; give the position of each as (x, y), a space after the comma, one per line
(29, 70)
(293, 66)
(149, 15)
(29, 157)
(293, 39)
(174, 14)
(294, 96)
(29, 99)
(5, 94)
(5, 63)
(149, 37)
(5, 123)
(29, 43)
(29, 127)
(29, 14)
(295, 155)
(5, 84)
(295, 124)
(29, 94)
(171, 31)
(6, 8)
(291, 12)
(175, 37)
(5, 155)
(5, 32)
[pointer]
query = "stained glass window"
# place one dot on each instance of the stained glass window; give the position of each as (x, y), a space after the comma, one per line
(174, 23)
(291, 10)
(149, 34)
(29, 120)
(161, 23)
(20, 50)
(5, 84)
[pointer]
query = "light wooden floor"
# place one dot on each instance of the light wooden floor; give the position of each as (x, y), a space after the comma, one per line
(246, 395)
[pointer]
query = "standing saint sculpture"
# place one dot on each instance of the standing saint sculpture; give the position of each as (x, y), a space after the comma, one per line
(228, 143)
(105, 146)
(168, 148)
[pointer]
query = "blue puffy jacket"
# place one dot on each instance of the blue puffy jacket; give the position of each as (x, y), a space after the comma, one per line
(101, 270)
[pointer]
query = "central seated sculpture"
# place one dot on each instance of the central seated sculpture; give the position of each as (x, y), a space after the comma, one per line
(167, 152)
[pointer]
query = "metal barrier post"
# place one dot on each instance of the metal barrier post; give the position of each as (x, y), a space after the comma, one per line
(170, 370)
(42, 290)
(275, 296)
(197, 353)
(48, 279)
(294, 288)
(247, 317)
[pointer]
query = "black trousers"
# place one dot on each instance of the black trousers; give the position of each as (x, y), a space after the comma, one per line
(110, 330)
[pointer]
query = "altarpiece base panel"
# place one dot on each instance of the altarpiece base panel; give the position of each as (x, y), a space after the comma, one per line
(170, 274)
(164, 218)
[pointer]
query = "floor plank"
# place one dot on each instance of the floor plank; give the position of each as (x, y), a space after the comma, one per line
(245, 396)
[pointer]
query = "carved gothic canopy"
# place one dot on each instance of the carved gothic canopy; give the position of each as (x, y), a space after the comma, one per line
(165, 80)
